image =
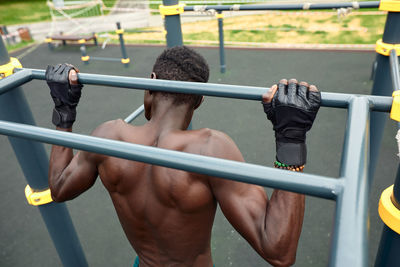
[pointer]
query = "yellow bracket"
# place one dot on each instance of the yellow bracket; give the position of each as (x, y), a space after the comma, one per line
(119, 31)
(384, 48)
(81, 41)
(86, 58)
(390, 5)
(388, 212)
(219, 15)
(125, 60)
(8, 69)
(395, 112)
(48, 40)
(36, 198)
(171, 10)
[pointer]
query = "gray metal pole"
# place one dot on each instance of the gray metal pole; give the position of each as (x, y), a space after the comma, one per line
(85, 58)
(4, 58)
(378, 103)
(320, 186)
(305, 6)
(34, 164)
(173, 26)
(221, 41)
(382, 86)
(125, 59)
(389, 246)
(350, 239)
(134, 114)
(394, 70)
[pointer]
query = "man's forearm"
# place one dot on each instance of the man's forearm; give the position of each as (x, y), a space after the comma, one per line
(283, 224)
(60, 157)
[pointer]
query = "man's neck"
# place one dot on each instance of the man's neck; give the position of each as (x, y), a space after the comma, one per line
(166, 116)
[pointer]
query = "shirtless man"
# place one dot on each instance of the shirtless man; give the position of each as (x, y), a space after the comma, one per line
(167, 214)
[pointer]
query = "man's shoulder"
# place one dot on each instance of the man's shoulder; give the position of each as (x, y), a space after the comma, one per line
(218, 144)
(110, 129)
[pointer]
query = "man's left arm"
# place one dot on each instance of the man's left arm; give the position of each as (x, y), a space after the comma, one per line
(69, 175)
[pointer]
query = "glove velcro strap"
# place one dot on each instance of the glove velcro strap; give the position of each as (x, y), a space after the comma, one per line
(63, 119)
(291, 153)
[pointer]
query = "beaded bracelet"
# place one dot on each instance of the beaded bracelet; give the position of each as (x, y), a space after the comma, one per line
(295, 168)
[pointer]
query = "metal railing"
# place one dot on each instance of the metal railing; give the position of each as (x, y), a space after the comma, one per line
(350, 190)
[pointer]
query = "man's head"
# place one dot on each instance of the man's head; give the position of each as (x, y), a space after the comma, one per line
(181, 63)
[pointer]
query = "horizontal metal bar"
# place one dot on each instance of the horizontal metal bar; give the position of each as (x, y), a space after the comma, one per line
(134, 114)
(211, 89)
(13, 81)
(314, 185)
(305, 6)
(105, 59)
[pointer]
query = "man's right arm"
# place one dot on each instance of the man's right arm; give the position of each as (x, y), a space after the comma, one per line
(272, 227)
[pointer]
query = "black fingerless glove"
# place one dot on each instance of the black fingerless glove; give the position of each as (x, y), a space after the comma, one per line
(65, 96)
(292, 112)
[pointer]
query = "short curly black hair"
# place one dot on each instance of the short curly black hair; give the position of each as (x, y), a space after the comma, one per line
(181, 63)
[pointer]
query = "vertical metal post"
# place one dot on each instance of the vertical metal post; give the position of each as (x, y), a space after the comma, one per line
(34, 164)
(125, 60)
(173, 26)
(95, 38)
(382, 86)
(350, 242)
(85, 58)
(389, 246)
(4, 58)
(220, 17)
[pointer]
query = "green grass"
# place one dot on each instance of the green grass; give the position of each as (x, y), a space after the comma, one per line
(28, 11)
(12, 48)
(23, 11)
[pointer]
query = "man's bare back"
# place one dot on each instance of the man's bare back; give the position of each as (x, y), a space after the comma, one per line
(168, 214)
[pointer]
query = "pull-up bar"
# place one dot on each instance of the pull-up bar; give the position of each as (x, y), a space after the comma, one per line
(304, 6)
(335, 100)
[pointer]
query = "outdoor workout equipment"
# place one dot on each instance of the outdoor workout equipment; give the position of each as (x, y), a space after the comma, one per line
(350, 190)
(219, 9)
(73, 14)
(124, 60)
(81, 39)
(347, 189)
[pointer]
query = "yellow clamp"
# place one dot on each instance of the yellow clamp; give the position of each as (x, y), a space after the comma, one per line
(8, 69)
(81, 41)
(384, 48)
(48, 40)
(219, 15)
(388, 212)
(171, 10)
(390, 5)
(395, 111)
(125, 60)
(36, 198)
(119, 31)
(85, 58)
